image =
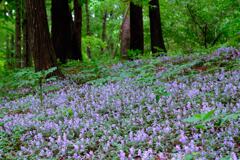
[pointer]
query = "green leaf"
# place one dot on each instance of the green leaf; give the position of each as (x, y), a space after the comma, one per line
(50, 70)
(203, 117)
(198, 116)
(188, 157)
(1, 124)
(226, 158)
(200, 126)
(157, 98)
(191, 120)
(208, 115)
(234, 116)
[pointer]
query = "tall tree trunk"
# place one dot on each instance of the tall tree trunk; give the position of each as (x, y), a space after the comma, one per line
(88, 28)
(125, 35)
(157, 42)
(136, 28)
(18, 33)
(104, 29)
(61, 29)
(39, 38)
(77, 30)
(27, 58)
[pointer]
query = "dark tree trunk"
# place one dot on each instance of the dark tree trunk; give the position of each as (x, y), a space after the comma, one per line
(125, 35)
(27, 58)
(104, 29)
(77, 30)
(136, 28)
(39, 38)
(18, 33)
(61, 29)
(157, 42)
(88, 28)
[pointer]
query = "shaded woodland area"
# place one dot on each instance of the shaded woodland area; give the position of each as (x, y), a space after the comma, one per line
(104, 28)
(120, 79)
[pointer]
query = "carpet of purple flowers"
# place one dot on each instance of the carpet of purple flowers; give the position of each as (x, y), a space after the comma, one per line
(134, 117)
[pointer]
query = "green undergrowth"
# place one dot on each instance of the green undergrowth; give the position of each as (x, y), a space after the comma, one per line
(99, 72)
(10, 143)
(171, 69)
(21, 82)
(144, 72)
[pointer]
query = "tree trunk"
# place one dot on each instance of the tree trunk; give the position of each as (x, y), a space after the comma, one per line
(125, 35)
(136, 28)
(104, 29)
(61, 29)
(88, 28)
(18, 33)
(27, 58)
(77, 30)
(39, 38)
(157, 42)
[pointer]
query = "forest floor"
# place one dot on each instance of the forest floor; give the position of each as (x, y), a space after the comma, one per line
(162, 108)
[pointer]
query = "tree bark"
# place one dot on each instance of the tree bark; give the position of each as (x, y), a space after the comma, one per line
(136, 28)
(88, 27)
(104, 26)
(61, 29)
(125, 35)
(27, 58)
(157, 42)
(39, 38)
(78, 30)
(18, 33)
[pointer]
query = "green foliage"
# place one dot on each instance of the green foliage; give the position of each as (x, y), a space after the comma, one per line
(94, 43)
(182, 33)
(194, 20)
(7, 23)
(10, 143)
(179, 69)
(228, 117)
(67, 112)
(89, 71)
(191, 156)
(24, 78)
(201, 119)
(188, 157)
(134, 54)
(159, 92)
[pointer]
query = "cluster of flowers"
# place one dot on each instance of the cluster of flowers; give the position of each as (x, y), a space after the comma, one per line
(125, 121)
(228, 52)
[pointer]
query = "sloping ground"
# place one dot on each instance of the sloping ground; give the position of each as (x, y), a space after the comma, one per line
(165, 108)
